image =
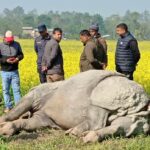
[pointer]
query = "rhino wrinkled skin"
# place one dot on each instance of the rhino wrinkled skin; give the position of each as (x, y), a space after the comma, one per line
(92, 105)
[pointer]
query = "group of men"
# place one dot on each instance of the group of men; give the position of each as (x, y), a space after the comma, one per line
(94, 55)
(50, 59)
(49, 53)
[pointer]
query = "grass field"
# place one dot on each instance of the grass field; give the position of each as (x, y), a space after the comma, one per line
(56, 140)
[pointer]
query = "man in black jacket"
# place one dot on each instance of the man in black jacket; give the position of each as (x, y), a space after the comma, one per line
(10, 55)
(127, 51)
(39, 47)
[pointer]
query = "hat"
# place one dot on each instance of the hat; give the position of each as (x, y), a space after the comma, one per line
(9, 36)
(94, 27)
(42, 28)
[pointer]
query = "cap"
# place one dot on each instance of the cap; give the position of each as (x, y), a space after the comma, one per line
(9, 36)
(94, 27)
(42, 28)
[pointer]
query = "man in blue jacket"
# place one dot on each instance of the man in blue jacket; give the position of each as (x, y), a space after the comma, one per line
(127, 51)
(10, 55)
(39, 47)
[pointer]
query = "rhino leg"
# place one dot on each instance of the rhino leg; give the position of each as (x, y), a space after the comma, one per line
(119, 127)
(37, 121)
(22, 107)
(96, 119)
(139, 127)
(33, 101)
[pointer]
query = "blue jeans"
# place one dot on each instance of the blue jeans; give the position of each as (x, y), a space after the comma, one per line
(11, 78)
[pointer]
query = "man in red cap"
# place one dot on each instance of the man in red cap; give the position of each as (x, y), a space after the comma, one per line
(10, 55)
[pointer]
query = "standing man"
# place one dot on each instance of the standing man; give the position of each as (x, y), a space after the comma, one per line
(94, 31)
(52, 61)
(39, 46)
(127, 51)
(10, 55)
(92, 56)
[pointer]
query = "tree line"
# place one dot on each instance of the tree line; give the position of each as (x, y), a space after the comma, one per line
(73, 22)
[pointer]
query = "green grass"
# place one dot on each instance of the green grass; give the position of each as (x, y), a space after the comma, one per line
(56, 140)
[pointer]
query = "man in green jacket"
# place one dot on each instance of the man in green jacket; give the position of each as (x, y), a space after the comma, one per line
(99, 40)
(92, 56)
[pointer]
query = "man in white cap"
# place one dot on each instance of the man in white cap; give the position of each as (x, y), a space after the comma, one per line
(10, 55)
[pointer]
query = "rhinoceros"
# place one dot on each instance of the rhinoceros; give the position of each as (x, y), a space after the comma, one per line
(92, 105)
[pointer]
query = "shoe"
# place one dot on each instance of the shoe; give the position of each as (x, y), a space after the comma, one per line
(6, 110)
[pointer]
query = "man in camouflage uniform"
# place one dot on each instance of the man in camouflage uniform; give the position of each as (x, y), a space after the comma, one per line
(100, 41)
(93, 56)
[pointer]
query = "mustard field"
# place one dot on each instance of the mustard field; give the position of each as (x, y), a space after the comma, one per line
(71, 54)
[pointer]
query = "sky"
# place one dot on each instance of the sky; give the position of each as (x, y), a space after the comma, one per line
(103, 7)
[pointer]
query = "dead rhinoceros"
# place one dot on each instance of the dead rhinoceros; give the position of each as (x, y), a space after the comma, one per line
(101, 102)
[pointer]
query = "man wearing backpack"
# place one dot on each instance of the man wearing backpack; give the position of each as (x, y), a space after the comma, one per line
(94, 32)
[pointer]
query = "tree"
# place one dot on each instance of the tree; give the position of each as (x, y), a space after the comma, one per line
(43, 18)
(29, 20)
(73, 22)
(110, 25)
(132, 19)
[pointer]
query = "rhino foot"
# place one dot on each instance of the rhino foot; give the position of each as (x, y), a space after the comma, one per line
(7, 128)
(78, 130)
(90, 137)
(2, 119)
(73, 131)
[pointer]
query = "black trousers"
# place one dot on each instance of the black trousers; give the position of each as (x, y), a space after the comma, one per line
(42, 75)
(128, 74)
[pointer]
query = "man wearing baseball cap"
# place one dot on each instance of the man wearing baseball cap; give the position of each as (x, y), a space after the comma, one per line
(94, 31)
(10, 55)
(39, 46)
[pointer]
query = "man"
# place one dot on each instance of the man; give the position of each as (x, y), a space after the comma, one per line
(10, 55)
(92, 56)
(127, 51)
(39, 47)
(94, 31)
(52, 62)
